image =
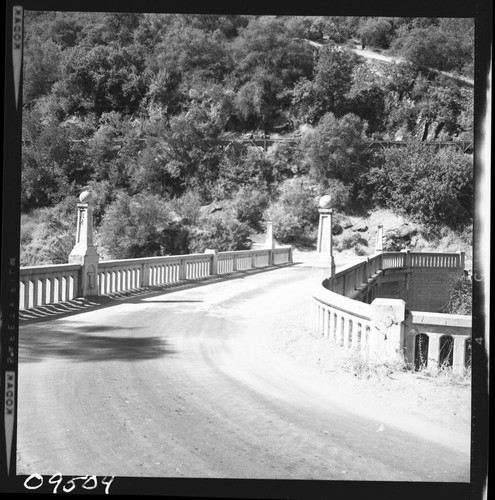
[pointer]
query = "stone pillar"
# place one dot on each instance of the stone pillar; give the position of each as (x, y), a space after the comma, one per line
(84, 251)
(387, 340)
(379, 239)
(269, 242)
(324, 247)
(214, 261)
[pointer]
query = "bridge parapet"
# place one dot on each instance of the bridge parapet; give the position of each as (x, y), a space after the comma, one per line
(344, 315)
(43, 285)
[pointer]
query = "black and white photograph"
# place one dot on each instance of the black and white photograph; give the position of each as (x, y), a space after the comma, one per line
(245, 251)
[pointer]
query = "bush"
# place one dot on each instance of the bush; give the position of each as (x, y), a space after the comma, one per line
(355, 241)
(220, 231)
(249, 206)
(340, 192)
(295, 213)
(140, 226)
(435, 188)
(335, 149)
(48, 238)
(461, 297)
(377, 32)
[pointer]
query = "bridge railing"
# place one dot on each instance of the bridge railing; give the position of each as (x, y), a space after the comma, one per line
(435, 339)
(346, 322)
(383, 328)
(47, 284)
(42, 285)
(422, 259)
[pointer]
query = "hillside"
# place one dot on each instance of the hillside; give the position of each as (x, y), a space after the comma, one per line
(137, 108)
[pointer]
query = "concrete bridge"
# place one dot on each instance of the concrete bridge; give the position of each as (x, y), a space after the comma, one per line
(175, 378)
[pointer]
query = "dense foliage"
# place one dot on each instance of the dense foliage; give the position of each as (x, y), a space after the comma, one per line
(135, 108)
(434, 187)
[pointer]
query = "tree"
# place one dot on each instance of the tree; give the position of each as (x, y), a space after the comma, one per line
(102, 78)
(269, 59)
(221, 231)
(335, 149)
(376, 31)
(435, 188)
(186, 51)
(43, 58)
(53, 235)
(295, 212)
(140, 226)
(328, 90)
(433, 48)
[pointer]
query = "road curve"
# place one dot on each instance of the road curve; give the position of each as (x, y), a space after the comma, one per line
(180, 384)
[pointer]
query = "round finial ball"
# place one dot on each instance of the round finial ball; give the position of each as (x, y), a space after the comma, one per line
(326, 201)
(85, 197)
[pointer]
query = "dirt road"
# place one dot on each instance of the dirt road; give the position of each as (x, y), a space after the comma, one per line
(180, 384)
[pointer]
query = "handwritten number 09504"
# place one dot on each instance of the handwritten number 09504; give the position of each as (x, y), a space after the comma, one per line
(34, 481)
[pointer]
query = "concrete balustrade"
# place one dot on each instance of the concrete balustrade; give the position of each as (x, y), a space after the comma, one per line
(346, 322)
(435, 327)
(383, 329)
(47, 284)
(50, 284)
(423, 259)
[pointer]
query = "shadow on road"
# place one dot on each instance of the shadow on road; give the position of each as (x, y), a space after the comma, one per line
(85, 344)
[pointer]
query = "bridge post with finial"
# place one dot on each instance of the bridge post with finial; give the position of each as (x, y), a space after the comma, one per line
(325, 244)
(84, 251)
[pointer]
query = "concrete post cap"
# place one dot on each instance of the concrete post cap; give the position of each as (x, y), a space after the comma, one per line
(86, 197)
(325, 201)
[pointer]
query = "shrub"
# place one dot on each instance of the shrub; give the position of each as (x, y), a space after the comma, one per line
(377, 32)
(249, 206)
(295, 213)
(221, 231)
(335, 149)
(355, 241)
(140, 226)
(461, 297)
(50, 236)
(435, 188)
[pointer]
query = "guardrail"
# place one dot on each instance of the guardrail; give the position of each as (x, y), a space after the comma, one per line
(42, 285)
(384, 328)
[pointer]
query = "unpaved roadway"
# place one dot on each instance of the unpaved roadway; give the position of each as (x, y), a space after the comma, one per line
(180, 384)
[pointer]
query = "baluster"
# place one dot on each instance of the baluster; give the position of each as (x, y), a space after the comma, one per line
(347, 332)
(331, 324)
(23, 297)
(365, 341)
(66, 288)
(51, 297)
(35, 292)
(42, 291)
(343, 330)
(326, 320)
(321, 326)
